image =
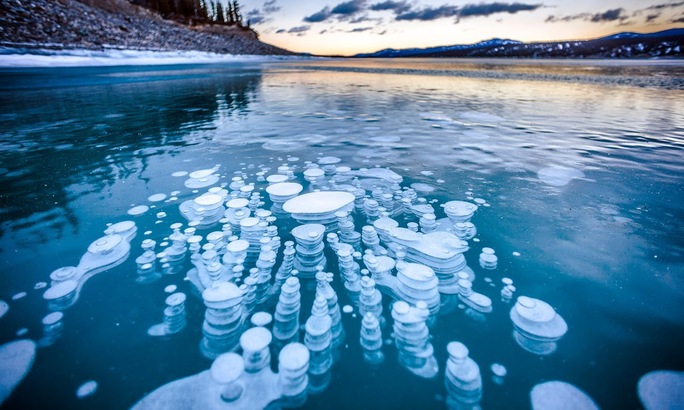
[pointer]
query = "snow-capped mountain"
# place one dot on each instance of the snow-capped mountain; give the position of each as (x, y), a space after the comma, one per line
(668, 43)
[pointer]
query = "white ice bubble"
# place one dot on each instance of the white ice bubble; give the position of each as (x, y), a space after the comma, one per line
(661, 389)
(4, 307)
(19, 295)
(156, 197)
(479, 201)
(40, 285)
(170, 288)
(179, 174)
(138, 210)
(516, 254)
(16, 359)
(499, 370)
(557, 395)
(86, 389)
(347, 309)
(21, 332)
(558, 175)
(421, 187)
(427, 173)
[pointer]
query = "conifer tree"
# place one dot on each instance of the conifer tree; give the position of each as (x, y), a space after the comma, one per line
(231, 14)
(219, 13)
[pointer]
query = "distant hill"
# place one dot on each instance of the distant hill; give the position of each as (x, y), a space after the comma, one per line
(668, 43)
(120, 24)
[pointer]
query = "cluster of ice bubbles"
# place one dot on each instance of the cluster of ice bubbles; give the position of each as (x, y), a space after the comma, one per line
(359, 227)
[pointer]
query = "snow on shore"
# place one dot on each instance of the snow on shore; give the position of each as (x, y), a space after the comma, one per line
(24, 58)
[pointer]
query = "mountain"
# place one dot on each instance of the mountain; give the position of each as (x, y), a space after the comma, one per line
(668, 43)
(119, 24)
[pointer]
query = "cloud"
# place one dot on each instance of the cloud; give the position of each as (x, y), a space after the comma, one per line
(270, 6)
(466, 11)
(360, 29)
(317, 17)
(280, 30)
(486, 9)
(677, 20)
(349, 8)
(429, 13)
(299, 29)
(664, 6)
(606, 16)
(652, 17)
(397, 7)
(263, 15)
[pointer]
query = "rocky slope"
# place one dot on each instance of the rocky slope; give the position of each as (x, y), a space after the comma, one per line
(73, 24)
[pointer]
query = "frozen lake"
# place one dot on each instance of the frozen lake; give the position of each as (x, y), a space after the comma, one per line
(577, 168)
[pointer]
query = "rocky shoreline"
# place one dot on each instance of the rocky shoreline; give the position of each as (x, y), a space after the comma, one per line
(70, 24)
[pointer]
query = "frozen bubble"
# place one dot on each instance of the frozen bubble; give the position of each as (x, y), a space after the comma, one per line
(21, 332)
(479, 201)
(421, 187)
(488, 280)
(86, 389)
(16, 359)
(196, 183)
(318, 202)
(179, 174)
(147, 233)
(516, 253)
(507, 281)
(4, 307)
(427, 173)
(293, 159)
(202, 173)
(19, 295)
(161, 215)
(175, 193)
(347, 309)
(138, 210)
(557, 395)
(261, 319)
(662, 389)
(558, 175)
(499, 370)
(170, 288)
(440, 181)
(156, 197)
(329, 160)
(40, 285)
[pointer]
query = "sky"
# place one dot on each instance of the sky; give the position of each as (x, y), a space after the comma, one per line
(339, 27)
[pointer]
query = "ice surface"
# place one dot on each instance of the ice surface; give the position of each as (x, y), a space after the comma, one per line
(16, 359)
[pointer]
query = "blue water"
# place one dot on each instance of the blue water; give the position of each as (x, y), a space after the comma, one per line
(81, 146)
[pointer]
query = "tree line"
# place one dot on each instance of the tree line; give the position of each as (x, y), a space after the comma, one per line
(197, 11)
